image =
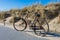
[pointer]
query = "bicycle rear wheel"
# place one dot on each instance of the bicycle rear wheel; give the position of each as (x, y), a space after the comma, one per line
(43, 29)
(20, 25)
(41, 32)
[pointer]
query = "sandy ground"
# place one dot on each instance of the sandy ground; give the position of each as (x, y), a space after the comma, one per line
(9, 33)
(54, 25)
(3, 29)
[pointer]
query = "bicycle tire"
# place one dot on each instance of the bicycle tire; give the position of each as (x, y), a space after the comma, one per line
(44, 34)
(23, 28)
(40, 34)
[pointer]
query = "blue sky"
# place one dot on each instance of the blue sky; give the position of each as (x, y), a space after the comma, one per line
(10, 4)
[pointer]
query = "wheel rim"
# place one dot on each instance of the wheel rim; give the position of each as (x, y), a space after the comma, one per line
(20, 25)
(45, 29)
(40, 32)
(46, 26)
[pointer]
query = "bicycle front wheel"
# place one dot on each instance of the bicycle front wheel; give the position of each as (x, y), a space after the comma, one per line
(20, 25)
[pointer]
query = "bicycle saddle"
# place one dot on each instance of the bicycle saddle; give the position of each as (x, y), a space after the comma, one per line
(38, 15)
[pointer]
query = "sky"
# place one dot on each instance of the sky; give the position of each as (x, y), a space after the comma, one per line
(11, 4)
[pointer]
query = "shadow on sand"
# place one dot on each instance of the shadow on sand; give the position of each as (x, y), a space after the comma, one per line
(49, 33)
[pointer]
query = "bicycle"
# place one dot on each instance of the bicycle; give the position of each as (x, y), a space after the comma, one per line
(20, 24)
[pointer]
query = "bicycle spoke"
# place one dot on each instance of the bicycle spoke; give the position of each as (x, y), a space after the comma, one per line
(20, 25)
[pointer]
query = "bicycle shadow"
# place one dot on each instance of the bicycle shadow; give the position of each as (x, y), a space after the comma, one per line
(49, 34)
(53, 34)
